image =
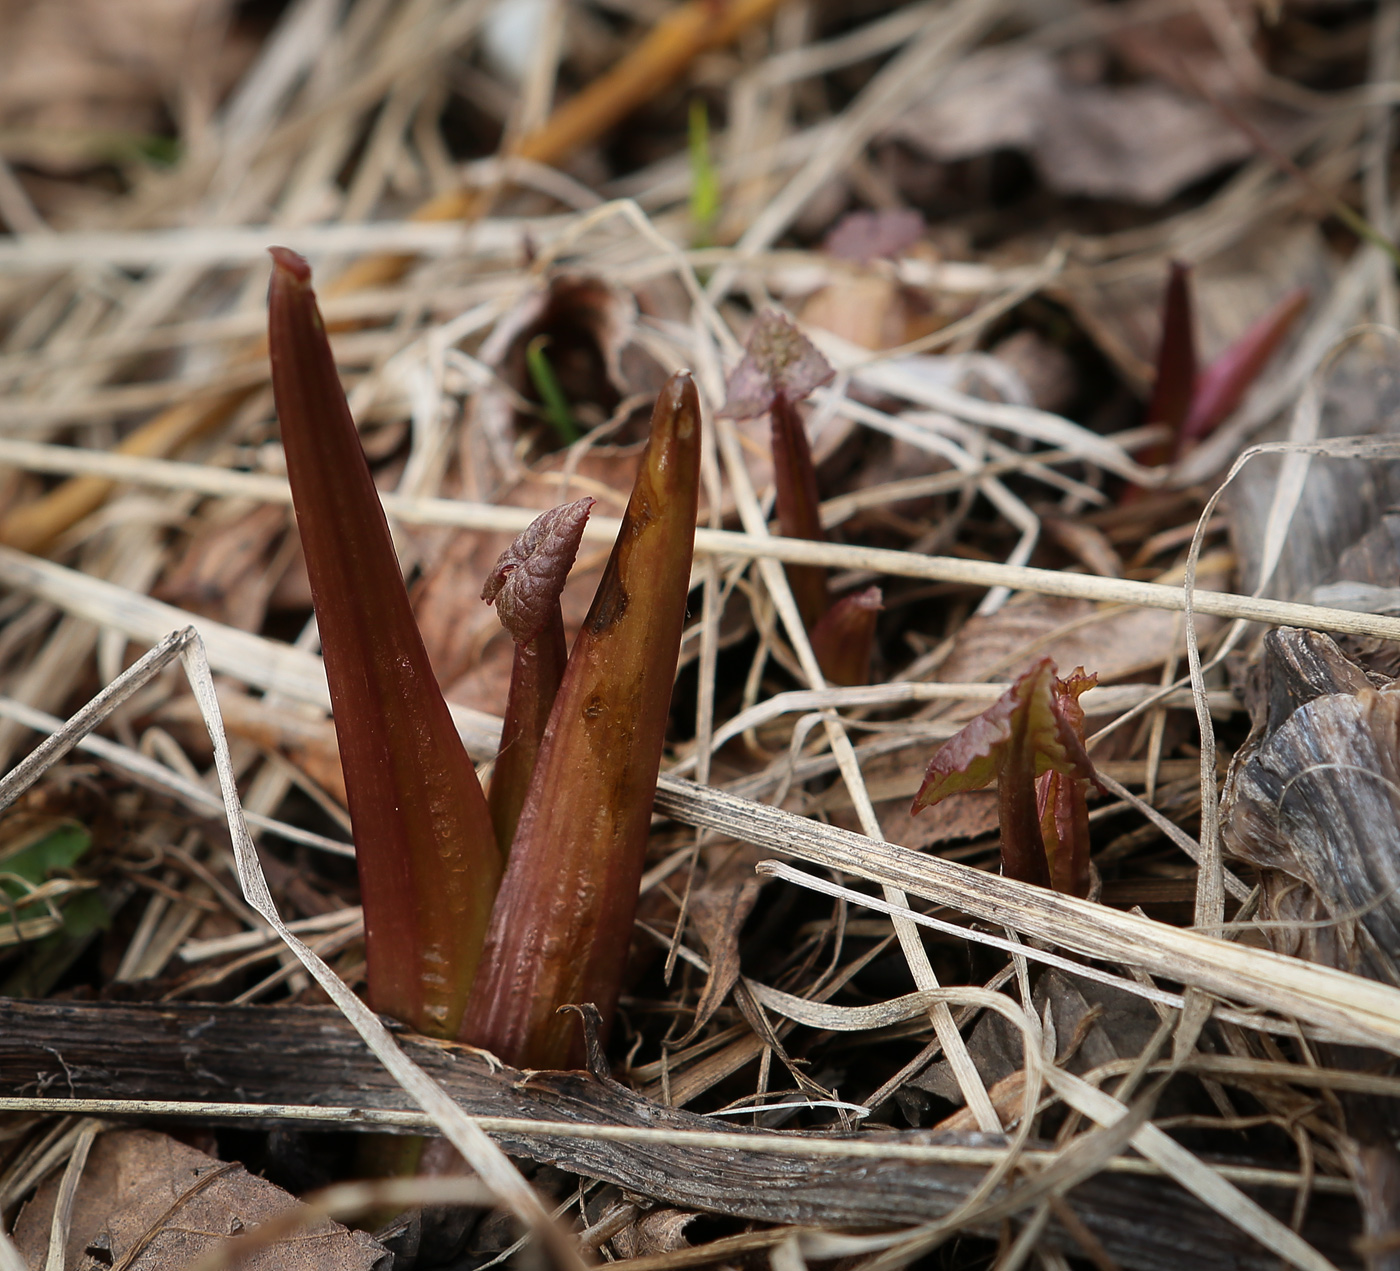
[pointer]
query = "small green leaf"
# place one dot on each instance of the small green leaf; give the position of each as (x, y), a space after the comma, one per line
(552, 399)
(704, 183)
(61, 848)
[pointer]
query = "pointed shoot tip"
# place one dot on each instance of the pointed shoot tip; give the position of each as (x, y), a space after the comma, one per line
(286, 261)
(678, 404)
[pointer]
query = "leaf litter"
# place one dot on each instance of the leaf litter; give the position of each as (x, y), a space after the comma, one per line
(970, 211)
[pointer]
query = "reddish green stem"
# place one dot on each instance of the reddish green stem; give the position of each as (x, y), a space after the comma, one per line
(561, 928)
(534, 681)
(525, 587)
(1064, 827)
(798, 505)
(1022, 847)
(427, 859)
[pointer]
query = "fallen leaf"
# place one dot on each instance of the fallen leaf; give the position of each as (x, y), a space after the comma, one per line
(1311, 802)
(660, 1231)
(1045, 369)
(969, 814)
(866, 309)
(1140, 142)
(142, 1188)
(231, 568)
(1342, 500)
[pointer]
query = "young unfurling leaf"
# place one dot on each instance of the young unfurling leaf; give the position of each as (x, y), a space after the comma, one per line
(780, 367)
(560, 930)
(525, 586)
(1034, 729)
(427, 859)
(778, 361)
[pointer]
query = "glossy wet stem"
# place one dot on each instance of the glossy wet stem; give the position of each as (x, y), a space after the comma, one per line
(427, 859)
(563, 921)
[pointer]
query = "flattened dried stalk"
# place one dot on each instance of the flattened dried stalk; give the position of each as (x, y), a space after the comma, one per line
(1338, 1006)
(202, 1051)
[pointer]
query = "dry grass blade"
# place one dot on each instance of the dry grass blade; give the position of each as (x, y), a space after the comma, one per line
(142, 769)
(1338, 1006)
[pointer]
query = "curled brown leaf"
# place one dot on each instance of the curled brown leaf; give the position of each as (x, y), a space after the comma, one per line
(529, 576)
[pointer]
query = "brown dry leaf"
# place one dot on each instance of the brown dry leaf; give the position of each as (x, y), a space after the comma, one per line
(866, 309)
(1086, 542)
(1047, 371)
(1182, 49)
(1093, 1024)
(660, 1231)
(1138, 142)
(230, 569)
(1338, 548)
(141, 1187)
(718, 911)
(968, 814)
(1117, 643)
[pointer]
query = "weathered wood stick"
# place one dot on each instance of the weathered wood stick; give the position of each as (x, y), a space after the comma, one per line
(309, 1055)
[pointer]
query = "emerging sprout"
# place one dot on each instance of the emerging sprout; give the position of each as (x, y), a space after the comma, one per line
(780, 367)
(525, 586)
(845, 637)
(1192, 402)
(1033, 730)
(427, 859)
(560, 930)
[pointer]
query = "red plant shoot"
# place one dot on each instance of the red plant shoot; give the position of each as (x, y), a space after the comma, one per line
(799, 505)
(1194, 402)
(1033, 730)
(1176, 363)
(845, 637)
(780, 367)
(428, 862)
(1061, 800)
(525, 586)
(1221, 387)
(560, 930)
